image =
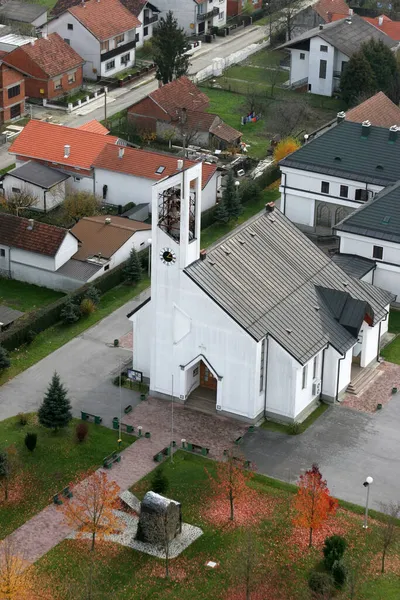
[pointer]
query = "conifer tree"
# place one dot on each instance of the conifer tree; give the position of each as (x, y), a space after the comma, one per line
(55, 411)
(4, 360)
(70, 312)
(221, 214)
(357, 78)
(133, 269)
(231, 198)
(169, 45)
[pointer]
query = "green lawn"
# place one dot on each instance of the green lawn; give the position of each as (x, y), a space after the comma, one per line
(391, 352)
(53, 338)
(280, 560)
(281, 428)
(57, 460)
(254, 75)
(211, 234)
(24, 296)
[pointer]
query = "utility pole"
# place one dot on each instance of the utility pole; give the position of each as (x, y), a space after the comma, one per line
(105, 106)
(172, 420)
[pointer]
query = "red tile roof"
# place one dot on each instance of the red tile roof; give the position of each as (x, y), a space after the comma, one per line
(391, 28)
(378, 109)
(51, 54)
(326, 8)
(105, 19)
(42, 239)
(142, 163)
(46, 141)
(94, 126)
(180, 93)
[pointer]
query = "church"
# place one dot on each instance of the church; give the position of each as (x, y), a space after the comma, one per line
(261, 324)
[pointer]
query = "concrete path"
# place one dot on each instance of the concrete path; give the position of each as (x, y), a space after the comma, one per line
(86, 366)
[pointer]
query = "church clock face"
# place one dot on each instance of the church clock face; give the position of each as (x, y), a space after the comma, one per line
(167, 256)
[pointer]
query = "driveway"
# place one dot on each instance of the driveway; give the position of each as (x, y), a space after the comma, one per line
(86, 366)
(348, 445)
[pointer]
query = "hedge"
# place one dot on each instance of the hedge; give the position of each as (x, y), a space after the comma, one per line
(270, 175)
(47, 316)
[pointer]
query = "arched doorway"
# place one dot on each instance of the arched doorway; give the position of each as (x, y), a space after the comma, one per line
(323, 216)
(340, 214)
(203, 392)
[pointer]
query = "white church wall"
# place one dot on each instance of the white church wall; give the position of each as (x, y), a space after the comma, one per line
(370, 338)
(329, 374)
(345, 371)
(281, 381)
(141, 323)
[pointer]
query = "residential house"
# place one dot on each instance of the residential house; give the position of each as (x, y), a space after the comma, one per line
(12, 92)
(383, 23)
(235, 7)
(320, 13)
(373, 233)
(32, 251)
(337, 173)
(263, 323)
(50, 66)
(102, 32)
(319, 56)
(197, 17)
(94, 126)
(124, 175)
(178, 109)
(72, 151)
(23, 16)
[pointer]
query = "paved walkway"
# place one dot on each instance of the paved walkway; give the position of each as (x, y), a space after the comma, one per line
(47, 529)
(378, 392)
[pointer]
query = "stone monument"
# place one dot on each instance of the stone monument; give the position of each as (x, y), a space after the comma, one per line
(160, 520)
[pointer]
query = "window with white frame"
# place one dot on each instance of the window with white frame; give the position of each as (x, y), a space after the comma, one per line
(315, 367)
(57, 84)
(302, 56)
(377, 252)
(16, 190)
(2, 252)
(110, 65)
(304, 377)
(72, 77)
(221, 15)
(104, 46)
(119, 39)
(125, 59)
(262, 367)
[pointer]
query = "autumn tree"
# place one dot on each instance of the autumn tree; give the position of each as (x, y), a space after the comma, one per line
(14, 580)
(230, 481)
(5, 469)
(91, 508)
(313, 502)
(169, 46)
(81, 204)
(389, 529)
(285, 147)
(55, 410)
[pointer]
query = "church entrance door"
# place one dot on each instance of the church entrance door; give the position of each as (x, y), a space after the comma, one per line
(207, 379)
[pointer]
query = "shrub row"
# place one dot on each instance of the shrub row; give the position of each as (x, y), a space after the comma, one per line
(39, 320)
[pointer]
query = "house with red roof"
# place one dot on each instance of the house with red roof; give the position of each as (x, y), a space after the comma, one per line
(50, 66)
(12, 92)
(103, 32)
(383, 23)
(317, 14)
(196, 17)
(178, 109)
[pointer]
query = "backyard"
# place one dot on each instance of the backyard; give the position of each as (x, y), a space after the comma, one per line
(57, 460)
(262, 545)
(25, 296)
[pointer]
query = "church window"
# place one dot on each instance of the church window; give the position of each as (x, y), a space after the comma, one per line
(262, 365)
(304, 377)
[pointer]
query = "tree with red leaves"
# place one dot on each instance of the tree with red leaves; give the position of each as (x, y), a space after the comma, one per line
(313, 503)
(230, 481)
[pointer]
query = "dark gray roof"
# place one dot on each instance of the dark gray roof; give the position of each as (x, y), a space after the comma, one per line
(379, 218)
(344, 152)
(268, 277)
(78, 269)
(22, 12)
(355, 266)
(38, 174)
(9, 315)
(347, 35)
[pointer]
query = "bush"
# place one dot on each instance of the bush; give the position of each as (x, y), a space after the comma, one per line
(159, 482)
(70, 313)
(93, 294)
(81, 430)
(208, 217)
(333, 550)
(30, 441)
(339, 573)
(250, 191)
(4, 359)
(269, 176)
(30, 336)
(87, 307)
(320, 583)
(294, 428)
(22, 419)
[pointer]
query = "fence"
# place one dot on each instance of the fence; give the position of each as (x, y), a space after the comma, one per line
(69, 107)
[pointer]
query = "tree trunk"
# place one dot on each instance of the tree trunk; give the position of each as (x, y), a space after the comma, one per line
(310, 540)
(383, 560)
(90, 587)
(231, 505)
(6, 488)
(93, 540)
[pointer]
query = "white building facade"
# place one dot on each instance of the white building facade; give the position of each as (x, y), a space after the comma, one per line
(195, 16)
(148, 18)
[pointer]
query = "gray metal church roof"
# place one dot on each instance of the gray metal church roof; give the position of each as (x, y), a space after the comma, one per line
(270, 278)
(379, 218)
(355, 266)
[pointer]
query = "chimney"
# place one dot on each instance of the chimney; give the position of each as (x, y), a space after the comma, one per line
(32, 42)
(107, 220)
(270, 207)
(380, 21)
(67, 151)
(340, 117)
(44, 35)
(351, 12)
(203, 254)
(30, 226)
(321, 27)
(179, 164)
(121, 152)
(184, 116)
(393, 131)
(365, 129)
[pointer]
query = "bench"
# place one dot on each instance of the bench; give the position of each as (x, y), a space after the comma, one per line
(238, 440)
(196, 448)
(66, 493)
(109, 460)
(128, 409)
(85, 416)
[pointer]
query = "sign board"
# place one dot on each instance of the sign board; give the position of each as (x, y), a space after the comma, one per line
(135, 375)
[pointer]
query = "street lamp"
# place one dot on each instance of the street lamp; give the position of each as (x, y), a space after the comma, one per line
(367, 483)
(149, 259)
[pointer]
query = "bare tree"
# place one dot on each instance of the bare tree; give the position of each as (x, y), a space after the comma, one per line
(288, 118)
(274, 73)
(389, 530)
(254, 102)
(22, 199)
(288, 15)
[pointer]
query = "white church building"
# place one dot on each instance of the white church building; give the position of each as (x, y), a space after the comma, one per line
(261, 324)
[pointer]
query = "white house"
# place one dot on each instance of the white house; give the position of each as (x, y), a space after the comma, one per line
(373, 232)
(124, 175)
(319, 56)
(103, 32)
(147, 14)
(261, 324)
(336, 173)
(197, 17)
